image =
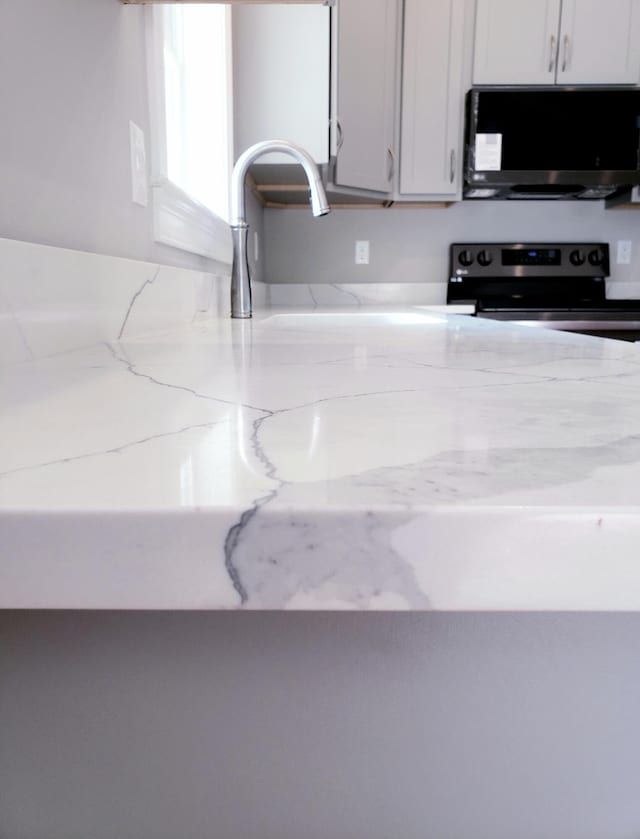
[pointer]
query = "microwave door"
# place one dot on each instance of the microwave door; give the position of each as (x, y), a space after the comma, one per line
(559, 136)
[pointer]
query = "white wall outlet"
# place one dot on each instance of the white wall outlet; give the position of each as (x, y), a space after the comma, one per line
(139, 185)
(256, 246)
(362, 252)
(623, 256)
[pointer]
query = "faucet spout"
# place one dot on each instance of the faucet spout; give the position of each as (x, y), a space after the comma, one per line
(240, 277)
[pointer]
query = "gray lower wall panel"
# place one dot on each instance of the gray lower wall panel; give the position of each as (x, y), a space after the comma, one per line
(322, 726)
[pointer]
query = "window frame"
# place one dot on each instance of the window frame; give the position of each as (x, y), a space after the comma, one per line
(178, 219)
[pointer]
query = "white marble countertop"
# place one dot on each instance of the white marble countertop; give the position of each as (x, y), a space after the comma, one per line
(353, 459)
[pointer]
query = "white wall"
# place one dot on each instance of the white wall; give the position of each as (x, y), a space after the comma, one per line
(412, 245)
(319, 726)
(72, 75)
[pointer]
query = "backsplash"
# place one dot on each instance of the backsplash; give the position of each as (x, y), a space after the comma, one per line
(55, 300)
(351, 294)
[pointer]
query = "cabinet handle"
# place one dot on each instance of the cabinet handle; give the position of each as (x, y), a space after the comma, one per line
(552, 53)
(452, 166)
(340, 139)
(565, 53)
(392, 163)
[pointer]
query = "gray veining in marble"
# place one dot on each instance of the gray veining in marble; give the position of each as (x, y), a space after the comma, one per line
(316, 459)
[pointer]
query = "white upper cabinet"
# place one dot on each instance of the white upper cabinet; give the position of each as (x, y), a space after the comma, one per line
(281, 77)
(365, 96)
(388, 76)
(432, 99)
(516, 41)
(599, 42)
(557, 42)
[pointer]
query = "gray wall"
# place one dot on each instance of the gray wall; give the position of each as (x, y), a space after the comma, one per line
(72, 75)
(412, 245)
(322, 726)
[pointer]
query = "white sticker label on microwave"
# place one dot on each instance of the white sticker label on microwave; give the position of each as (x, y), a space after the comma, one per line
(488, 152)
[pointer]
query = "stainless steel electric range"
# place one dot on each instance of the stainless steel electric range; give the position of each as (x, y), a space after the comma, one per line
(555, 286)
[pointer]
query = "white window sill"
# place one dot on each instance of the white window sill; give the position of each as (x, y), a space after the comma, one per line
(182, 222)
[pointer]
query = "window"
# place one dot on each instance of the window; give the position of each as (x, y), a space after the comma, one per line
(189, 57)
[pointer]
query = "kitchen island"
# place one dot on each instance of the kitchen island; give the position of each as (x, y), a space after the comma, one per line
(324, 459)
(174, 489)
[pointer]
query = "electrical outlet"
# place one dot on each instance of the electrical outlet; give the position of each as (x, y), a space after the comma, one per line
(624, 252)
(139, 186)
(362, 252)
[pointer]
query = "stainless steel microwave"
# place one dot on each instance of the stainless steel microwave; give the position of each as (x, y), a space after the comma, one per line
(551, 143)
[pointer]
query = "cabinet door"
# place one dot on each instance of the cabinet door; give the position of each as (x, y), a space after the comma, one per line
(516, 41)
(366, 71)
(281, 77)
(599, 42)
(432, 98)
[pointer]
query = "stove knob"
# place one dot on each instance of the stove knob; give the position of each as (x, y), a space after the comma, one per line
(465, 258)
(577, 257)
(485, 258)
(596, 257)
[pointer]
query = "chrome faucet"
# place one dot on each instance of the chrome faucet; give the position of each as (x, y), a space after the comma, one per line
(240, 277)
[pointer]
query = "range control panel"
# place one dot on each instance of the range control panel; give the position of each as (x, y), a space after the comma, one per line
(531, 275)
(509, 259)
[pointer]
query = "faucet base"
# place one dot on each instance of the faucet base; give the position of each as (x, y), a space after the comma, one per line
(240, 280)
